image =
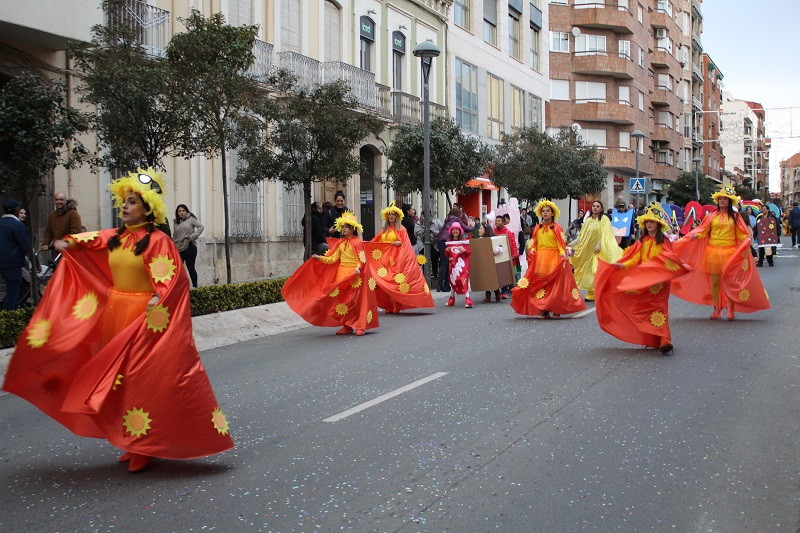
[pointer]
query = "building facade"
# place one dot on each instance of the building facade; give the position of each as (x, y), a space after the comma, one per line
(790, 180)
(712, 155)
(744, 142)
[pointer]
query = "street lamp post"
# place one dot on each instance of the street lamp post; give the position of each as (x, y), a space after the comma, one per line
(696, 162)
(638, 135)
(426, 51)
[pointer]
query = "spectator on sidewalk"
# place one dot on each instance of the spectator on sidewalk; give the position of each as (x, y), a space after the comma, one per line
(14, 244)
(336, 211)
(187, 230)
(63, 220)
(794, 224)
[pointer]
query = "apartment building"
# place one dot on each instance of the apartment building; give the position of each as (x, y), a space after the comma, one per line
(615, 68)
(744, 142)
(712, 155)
(692, 86)
(790, 180)
(368, 43)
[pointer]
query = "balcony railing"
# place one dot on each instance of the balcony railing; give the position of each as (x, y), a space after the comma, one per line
(150, 24)
(262, 66)
(305, 69)
(405, 107)
(360, 81)
(384, 100)
(696, 41)
(697, 70)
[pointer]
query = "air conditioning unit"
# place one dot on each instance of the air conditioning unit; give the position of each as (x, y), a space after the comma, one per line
(661, 33)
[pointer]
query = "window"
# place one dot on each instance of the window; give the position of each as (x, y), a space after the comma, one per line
(559, 90)
(664, 7)
(641, 57)
(625, 95)
(589, 91)
(584, 4)
(495, 107)
(559, 41)
(367, 32)
(624, 140)
(624, 49)
(534, 52)
(665, 81)
(586, 44)
(490, 21)
(559, 2)
(466, 96)
(514, 41)
(290, 25)
(397, 70)
(333, 33)
(622, 5)
(246, 204)
(640, 14)
(596, 137)
(461, 13)
(664, 119)
(517, 109)
(687, 125)
(641, 101)
(534, 112)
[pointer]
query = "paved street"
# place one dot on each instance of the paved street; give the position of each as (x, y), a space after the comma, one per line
(524, 425)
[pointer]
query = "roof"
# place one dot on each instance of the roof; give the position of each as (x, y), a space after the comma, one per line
(757, 108)
(793, 161)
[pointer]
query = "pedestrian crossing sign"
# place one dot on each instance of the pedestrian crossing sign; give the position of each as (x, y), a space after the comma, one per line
(637, 185)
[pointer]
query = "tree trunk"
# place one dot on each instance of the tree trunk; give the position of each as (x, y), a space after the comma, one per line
(226, 214)
(307, 217)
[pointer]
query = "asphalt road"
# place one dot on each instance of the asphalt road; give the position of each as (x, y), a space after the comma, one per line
(525, 425)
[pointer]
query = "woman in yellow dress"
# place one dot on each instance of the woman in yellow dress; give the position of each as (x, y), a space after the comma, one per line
(595, 241)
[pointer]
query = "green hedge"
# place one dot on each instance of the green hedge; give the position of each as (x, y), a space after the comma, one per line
(205, 300)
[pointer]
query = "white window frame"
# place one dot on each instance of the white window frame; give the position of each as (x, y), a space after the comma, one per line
(559, 90)
(559, 41)
(588, 44)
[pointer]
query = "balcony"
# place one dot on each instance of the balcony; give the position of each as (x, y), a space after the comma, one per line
(664, 133)
(696, 41)
(662, 19)
(150, 24)
(603, 16)
(696, 104)
(305, 69)
(663, 58)
(697, 137)
(665, 171)
(361, 82)
(262, 66)
(697, 73)
(623, 160)
(619, 66)
(602, 111)
(696, 8)
(664, 96)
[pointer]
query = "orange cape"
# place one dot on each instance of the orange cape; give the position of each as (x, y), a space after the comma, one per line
(740, 283)
(556, 292)
(314, 293)
(633, 304)
(146, 391)
(399, 277)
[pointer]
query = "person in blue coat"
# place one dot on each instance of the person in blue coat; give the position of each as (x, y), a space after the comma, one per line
(14, 245)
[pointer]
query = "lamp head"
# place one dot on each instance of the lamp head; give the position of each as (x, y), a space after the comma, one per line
(426, 49)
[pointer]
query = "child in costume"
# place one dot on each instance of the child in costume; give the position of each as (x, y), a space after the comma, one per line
(457, 252)
(595, 241)
(109, 351)
(391, 257)
(633, 294)
(724, 271)
(548, 285)
(336, 289)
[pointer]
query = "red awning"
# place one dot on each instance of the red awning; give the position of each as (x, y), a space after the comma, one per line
(482, 183)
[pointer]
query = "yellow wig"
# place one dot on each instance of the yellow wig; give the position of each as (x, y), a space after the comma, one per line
(392, 209)
(348, 218)
(149, 184)
(551, 205)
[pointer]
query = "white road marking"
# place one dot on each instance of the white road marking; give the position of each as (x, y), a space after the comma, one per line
(383, 398)
(584, 313)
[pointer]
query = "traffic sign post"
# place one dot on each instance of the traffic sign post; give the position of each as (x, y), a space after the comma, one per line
(637, 185)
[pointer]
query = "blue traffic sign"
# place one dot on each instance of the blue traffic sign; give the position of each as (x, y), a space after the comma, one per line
(637, 185)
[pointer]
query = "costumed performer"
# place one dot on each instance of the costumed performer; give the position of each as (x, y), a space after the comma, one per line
(457, 251)
(336, 289)
(391, 257)
(595, 241)
(724, 271)
(548, 285)
(109, 351)
(633, 294)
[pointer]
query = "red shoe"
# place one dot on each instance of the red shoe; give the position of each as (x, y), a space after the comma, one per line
(360, 332)
(345, 330)
(716, 314)
(504, 296)
(451, 302)
(137, 462)
(469, 303)
(125, 457)
(731, 316)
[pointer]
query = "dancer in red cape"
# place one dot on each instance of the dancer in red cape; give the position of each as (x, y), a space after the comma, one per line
(724, 271)
(548, 285)
(109, 352)
(336, 289)
(391, 257)
(632, 295)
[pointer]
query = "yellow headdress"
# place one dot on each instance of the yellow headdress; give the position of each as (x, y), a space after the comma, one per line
(655, 213)
(392, 209)
(149, 184)
(551, 205)
(726, 192)
(348, 218)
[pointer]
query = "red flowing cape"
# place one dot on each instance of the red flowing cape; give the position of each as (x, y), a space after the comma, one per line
(314, 293)
(557, 292)
(401, 284)
(740, 283)
(146, 391)
(633, 304)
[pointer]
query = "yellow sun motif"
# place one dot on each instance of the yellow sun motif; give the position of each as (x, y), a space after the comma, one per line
(399, 277)
(117, 381)
(86, 236)
(655, 289)
(382, 272)
(162, 268)
(391, 261)
(137, 422)
(421, 259)
(369, 316)
(219, 421)
(157, 318)
(672, 266)
(85, 307)
(772, 226)
(334, 293)
(426, 289)
(576, 294)
(540, 294)
(38, 333)
(658, 319)
(341, 309)
(372, 284)
(745, 265)
(744, 295)
(362, 256)
(523, 282)
(377, 254)
(356, 283)
(404, 287)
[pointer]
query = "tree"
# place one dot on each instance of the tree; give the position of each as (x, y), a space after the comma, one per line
(682, 191)
(302, 137)
(136, 121)
(455, 158)
(532, 164)
(748, 193)
(212, 94)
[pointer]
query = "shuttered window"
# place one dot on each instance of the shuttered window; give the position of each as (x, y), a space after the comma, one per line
(290, 25)
(333, 33)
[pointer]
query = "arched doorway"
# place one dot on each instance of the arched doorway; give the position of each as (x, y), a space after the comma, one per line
(367, 155)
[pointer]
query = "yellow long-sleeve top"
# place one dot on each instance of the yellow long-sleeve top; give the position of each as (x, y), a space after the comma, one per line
(344, 253)
(546, 238)
(648, 250)
(389, 235)
(723, 232)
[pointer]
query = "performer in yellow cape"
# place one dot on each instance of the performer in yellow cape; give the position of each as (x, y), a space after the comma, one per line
(595, 241)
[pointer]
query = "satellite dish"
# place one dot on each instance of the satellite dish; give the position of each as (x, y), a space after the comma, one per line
(576, 31)
(576, 128)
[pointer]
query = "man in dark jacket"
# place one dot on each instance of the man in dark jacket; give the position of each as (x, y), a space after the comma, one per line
(13, 247)
(794, 224)
(64, 220)
(319, 229)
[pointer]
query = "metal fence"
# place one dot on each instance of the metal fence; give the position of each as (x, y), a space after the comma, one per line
(292, 211)
(150, 24)
(246, 203)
